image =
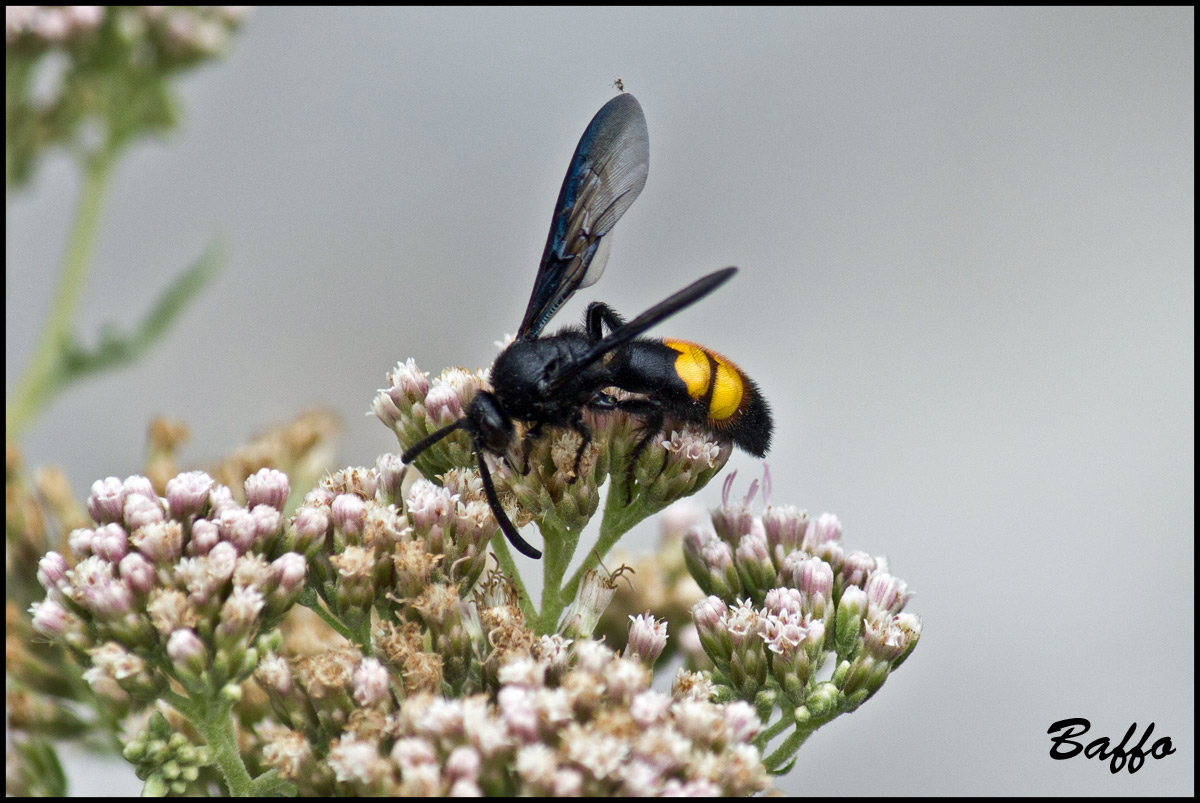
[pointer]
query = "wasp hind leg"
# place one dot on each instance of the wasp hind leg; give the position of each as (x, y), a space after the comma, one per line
(598, 316)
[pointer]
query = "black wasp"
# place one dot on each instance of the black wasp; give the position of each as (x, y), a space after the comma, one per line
(550, 381)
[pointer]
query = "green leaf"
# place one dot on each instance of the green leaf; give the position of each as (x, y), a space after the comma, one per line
(116, 349)
(37, 771)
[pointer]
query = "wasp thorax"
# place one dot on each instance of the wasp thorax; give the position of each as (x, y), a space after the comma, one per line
(528, 377)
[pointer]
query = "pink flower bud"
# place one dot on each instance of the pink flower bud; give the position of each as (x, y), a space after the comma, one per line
(463, 763)
(267, 487)
(812, 576)
(741, 720)
(390, 470)
(778, 600)
(444, 405)
(80, 542)
(205, 535)
(290, 570)
(49, 618)
(107, 501)
(647, 638)
(349, 514)
(709, 613)
(186, 651)
(386, 409)
(785, 527)
(187, 494)
(239, 616)
(267, 523)
(52, 572)
(310, 528)
(137, 572)
(371, 683)
(221, 561)
(221, 499)
(825, 529)
(518, 712)
(857, 568)
(110, 542)
(107, 597)
(239, 528)
(139, 485)
(886, 594)
(141, 511)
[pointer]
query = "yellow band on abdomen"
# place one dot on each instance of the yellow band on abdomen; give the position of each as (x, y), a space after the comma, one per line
(693, 367)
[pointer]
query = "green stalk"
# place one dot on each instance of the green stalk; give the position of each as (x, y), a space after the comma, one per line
(559, 546)
(214, 719)
(311, 599)
(618, 519)
(787, 750)
(509, 567)
(774, 730)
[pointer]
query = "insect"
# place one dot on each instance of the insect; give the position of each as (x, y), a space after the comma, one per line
(551, 380)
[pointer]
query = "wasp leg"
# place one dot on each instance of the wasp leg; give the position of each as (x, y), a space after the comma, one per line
(531, 435)
(579, 426)
(599, 315)
(506, 525)
(650, 412)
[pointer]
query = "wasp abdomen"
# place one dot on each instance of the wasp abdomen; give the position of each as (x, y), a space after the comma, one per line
(700, 386)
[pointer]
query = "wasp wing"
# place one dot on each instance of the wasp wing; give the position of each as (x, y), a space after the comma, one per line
(606, 174)
(660, 311)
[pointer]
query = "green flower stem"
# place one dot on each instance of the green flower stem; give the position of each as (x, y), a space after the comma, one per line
(213, 717)
(559, 546)
(787, 750)
(618, 519)
(779, 727)
(310, 599)
(361, 637)
(40, 381)
(509, 567)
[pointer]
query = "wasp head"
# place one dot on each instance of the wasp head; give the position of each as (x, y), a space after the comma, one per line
(490, 427)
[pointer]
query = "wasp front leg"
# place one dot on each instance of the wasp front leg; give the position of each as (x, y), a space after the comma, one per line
(577, 424)
(527, 441)
(649, 412)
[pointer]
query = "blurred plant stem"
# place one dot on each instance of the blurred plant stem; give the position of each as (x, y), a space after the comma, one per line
(94, 80)
(42, 377)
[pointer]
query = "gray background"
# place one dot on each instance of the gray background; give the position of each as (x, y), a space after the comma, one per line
(967, 284)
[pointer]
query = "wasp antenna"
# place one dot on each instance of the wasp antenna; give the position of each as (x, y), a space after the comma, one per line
(506, 525)
(413, 452)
